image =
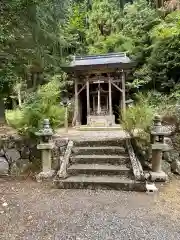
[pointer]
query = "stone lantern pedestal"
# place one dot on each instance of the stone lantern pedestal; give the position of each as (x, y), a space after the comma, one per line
(45, 146)
(158, 147)
(157, 152)
(46, 155)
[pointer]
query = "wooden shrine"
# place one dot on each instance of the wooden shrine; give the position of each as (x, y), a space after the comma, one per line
(99, 85)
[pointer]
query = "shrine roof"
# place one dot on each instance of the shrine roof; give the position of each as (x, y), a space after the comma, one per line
(111, 60)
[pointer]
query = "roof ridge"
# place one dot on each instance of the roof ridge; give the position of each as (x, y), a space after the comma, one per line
(120, 54)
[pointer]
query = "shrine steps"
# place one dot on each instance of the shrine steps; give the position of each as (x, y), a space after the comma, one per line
(100, 164)
(99, 150)
(99, 128)
(98, 169)
(100, 182)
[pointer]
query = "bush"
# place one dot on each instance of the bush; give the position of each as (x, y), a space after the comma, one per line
(138, 117)
(45, 103)
(14, 117)
(137, 122)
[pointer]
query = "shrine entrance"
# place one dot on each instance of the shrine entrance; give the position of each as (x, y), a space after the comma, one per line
(99, 103)
(99, 83)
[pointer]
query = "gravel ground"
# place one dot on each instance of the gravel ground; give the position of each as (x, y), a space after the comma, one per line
(33, 211)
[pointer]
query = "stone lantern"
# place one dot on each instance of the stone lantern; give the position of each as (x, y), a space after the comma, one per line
(158, 146)
(129, 102)
(45, 146)
(65, 103)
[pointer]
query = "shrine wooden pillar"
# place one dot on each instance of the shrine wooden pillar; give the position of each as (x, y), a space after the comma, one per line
(76, 102)
(110, 97)
(87, 94)
(99, 100)
(123, 78)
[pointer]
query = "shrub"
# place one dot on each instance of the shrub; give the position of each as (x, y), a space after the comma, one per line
(137, 122)
(139, 117)
(40, 105)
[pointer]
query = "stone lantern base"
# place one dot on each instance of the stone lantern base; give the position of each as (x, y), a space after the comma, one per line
(158, 176)
(47, 173)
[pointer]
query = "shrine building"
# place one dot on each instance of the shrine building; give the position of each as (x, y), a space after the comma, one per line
(99, 88)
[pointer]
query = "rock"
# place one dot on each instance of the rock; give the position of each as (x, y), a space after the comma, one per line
(45, 176)
(25, 152)
(23, 165)
(166, 167)
(171, 156)
(4, 166)
(1, 153)
(30, 217)
(5, 204)
(12, 154)
(15, 170)
(151, 188)
(20, 166)
(168, 141)
(175, 166)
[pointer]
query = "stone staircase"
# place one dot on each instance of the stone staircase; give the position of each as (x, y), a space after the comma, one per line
(99, 164)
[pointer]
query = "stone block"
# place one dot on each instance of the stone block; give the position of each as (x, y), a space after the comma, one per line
(158, 176)
(45, 176)
(175, 166)
(100, 121)
(45, 146)
(151, 188)
(3, 166)
(166, 167)
(12, 154)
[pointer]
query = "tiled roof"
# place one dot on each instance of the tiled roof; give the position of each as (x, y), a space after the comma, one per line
(111, 58)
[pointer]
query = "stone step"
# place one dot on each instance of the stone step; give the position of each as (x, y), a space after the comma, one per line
(98, 169)
(98, 150)
(102, 142)
(102, 182)
(90, 159)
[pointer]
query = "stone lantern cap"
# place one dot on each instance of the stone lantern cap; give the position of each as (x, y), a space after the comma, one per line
(46, 131)
(158, 129)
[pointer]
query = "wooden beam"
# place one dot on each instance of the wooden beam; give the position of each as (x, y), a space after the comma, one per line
(116, 86)
(81, 89)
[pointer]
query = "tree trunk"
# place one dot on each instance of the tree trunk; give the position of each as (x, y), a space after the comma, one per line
(2, 112)
(19, 98)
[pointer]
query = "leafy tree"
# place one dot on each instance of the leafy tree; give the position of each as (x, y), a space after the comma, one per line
(104, 25)
(164, 62)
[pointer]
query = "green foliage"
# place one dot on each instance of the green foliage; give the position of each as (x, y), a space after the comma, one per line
(138, 118)
(41, 105)
(103, 34)
(161, 67)
(38, 36)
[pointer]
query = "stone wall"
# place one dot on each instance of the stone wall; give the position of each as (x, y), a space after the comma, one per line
(20, 155)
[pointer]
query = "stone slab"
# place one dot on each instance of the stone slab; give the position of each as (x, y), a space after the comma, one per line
(45, 176)
(160, 146)
(100, 121)
(158, 176)
(99, 169)
(45, 146)
(102, 182)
